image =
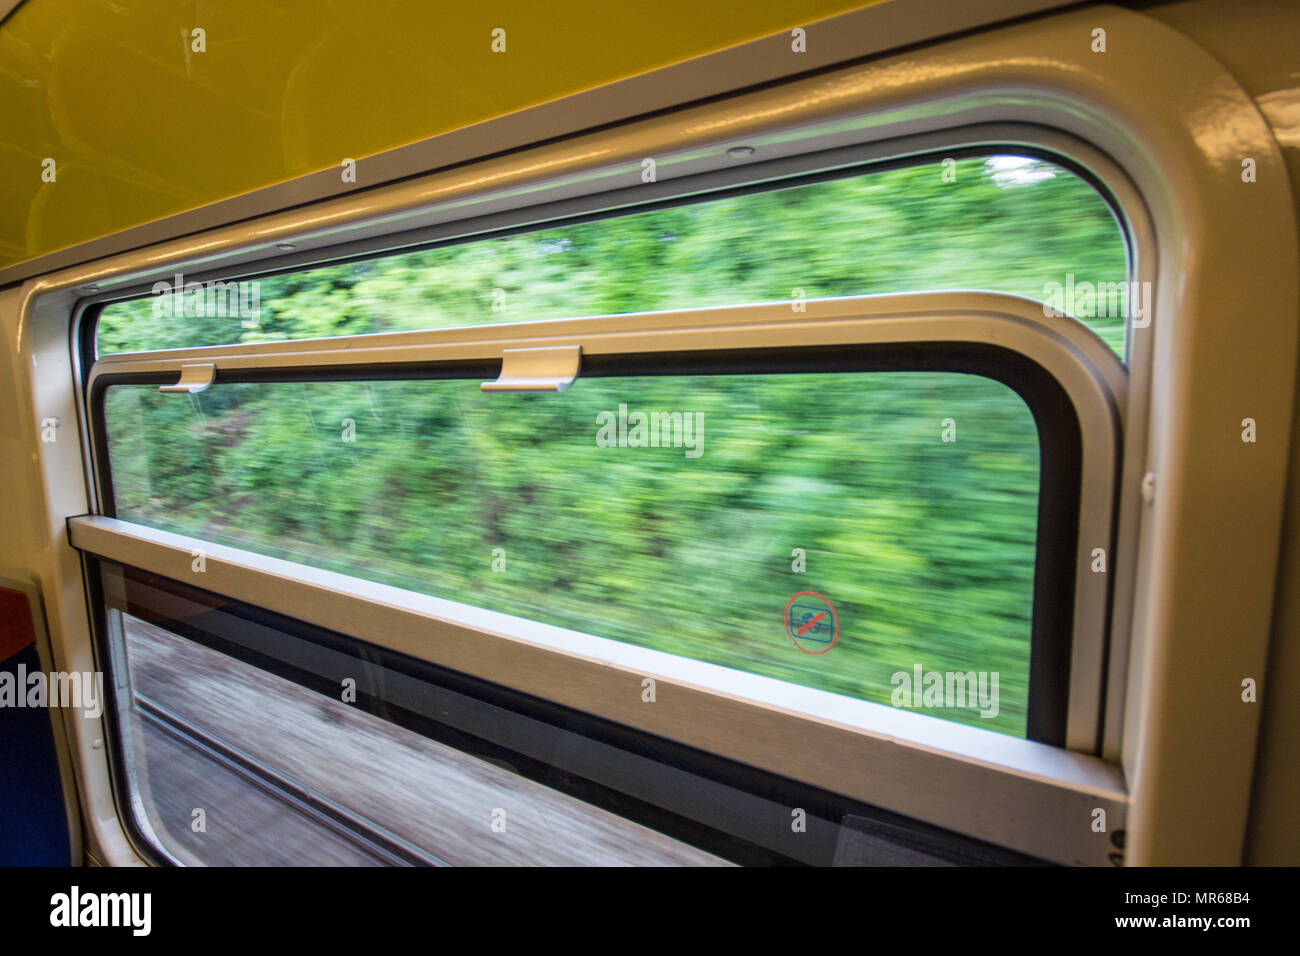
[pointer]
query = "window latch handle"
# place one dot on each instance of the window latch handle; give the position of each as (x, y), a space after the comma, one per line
(549, 369)
(194, 378)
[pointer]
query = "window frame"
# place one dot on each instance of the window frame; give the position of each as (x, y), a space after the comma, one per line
(519, 199)
(1030, 779)
(1058, 435)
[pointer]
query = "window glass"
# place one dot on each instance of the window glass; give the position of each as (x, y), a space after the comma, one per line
(1002, 223)
(253, 739)
(211, 732)
(855, 532)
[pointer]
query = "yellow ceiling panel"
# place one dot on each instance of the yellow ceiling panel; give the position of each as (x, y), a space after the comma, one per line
(143, 118)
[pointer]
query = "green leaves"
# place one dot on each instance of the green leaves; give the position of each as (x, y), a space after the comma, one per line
(925, 547)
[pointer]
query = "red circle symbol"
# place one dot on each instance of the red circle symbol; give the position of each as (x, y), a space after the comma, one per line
(810, 621)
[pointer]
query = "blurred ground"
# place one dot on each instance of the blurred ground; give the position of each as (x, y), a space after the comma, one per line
(422, 792)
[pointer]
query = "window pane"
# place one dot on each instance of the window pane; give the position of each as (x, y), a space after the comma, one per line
(303, 746)
(1003, 224)
(850, 532)
(193, 706)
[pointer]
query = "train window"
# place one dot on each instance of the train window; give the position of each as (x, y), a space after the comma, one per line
(854, 532)
(865, 519)
(1003, 223)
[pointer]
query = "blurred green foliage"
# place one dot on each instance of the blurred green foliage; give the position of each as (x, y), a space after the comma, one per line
(997, 227)
(925, 547)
